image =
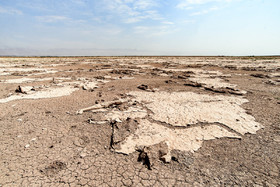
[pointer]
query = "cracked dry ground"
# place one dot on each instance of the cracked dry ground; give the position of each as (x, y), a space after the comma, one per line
(45, 143)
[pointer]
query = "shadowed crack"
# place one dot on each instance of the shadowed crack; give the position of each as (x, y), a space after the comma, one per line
(144, 158)
(188, 126)
(112, 135)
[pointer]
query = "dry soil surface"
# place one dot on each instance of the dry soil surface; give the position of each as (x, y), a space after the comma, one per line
(140, 121)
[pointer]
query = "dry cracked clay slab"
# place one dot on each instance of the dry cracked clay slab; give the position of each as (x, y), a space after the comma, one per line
(190, 139)
(220, 113)
(188, 108)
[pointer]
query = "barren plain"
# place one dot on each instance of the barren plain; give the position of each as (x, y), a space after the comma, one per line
(140, 121)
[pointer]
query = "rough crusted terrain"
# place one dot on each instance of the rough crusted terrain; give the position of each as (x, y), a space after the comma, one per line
(140, 121)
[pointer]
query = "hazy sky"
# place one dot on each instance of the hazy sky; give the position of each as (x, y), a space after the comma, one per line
(139, 27)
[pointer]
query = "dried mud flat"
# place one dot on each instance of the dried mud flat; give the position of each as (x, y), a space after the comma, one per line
(140, 121)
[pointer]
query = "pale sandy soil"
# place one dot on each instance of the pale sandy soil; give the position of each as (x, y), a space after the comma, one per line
(140, 121)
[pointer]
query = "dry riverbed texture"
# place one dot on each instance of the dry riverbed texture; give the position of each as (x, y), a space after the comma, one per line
(140, 121)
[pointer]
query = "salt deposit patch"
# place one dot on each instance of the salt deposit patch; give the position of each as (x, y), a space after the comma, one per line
(200, 72)
(190, 139)
(4, 73)
(26, 80)
(37, 71)
(3, 65)
(187, 108)
(210, 79)
(20, 69)
(46, 72)
(131, 112)
(277, 74)
(144, 66)
(47, 93)
(213, 82)
(184, 70)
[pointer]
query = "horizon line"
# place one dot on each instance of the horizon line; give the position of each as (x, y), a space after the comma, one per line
(75, 56)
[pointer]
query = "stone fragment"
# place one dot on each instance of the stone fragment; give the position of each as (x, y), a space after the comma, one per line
(226, 90)
(170, 82)
(145, 87)
(273, 82)
(123, 71)
(118, 120)
(151, 155)
(23, 89)
(259, 75)
(107, 77)
(127, 78)
(83, 154)
(183, 76)
(89, 86)
(102, 105)
(92, 121)
(193, 84)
